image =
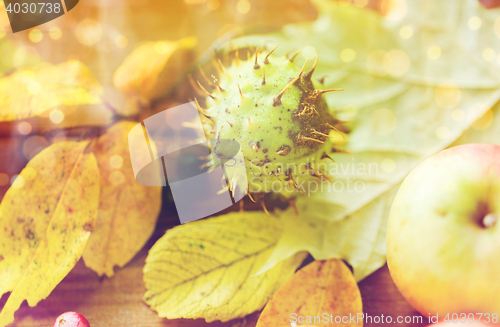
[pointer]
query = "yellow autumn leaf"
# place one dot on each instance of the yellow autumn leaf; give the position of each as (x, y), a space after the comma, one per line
(29, 92)
(151, 69)
(45, 220)
(205, 269)
(127, 210)
(15, 56)
(323, 293)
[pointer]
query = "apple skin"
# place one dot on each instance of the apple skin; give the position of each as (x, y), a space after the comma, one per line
(440, 255)
(71, 319)
(490, 4)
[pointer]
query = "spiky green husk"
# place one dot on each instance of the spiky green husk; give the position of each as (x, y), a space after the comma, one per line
(272, 109)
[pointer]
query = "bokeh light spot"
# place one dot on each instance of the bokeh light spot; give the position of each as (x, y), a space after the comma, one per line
(35, 35)
(243, 6)
(17, 181)
(55, 33)
(406, 32)
(443, 132)
(447, 96)
(116, 161)
(388, 165)
(56, 116)
(116, 178)
(121, 41)
(24, 128)
(88, 32)
(383, 121)
(474, 23)
(489, 54)
(347, 55)
(396, 62)
(434, 52)
(396, 10)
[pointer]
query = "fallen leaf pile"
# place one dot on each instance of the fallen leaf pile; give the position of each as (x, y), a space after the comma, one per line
(416, 81)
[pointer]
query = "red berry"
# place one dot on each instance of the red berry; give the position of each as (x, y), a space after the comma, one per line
(71, 319)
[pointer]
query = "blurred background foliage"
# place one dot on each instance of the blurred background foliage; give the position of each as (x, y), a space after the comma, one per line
(101, 34)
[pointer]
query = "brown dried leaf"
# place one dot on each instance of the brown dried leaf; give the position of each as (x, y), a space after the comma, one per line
(323, 288)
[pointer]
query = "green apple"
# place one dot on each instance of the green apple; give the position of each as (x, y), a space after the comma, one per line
(443, 237)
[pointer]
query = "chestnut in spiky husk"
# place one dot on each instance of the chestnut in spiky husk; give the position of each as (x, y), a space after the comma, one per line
(273, 110)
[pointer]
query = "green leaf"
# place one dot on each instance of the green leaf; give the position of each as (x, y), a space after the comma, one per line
(358, 238)
(408, 98)
(29, 92)
(45, 220)
(205, 269)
